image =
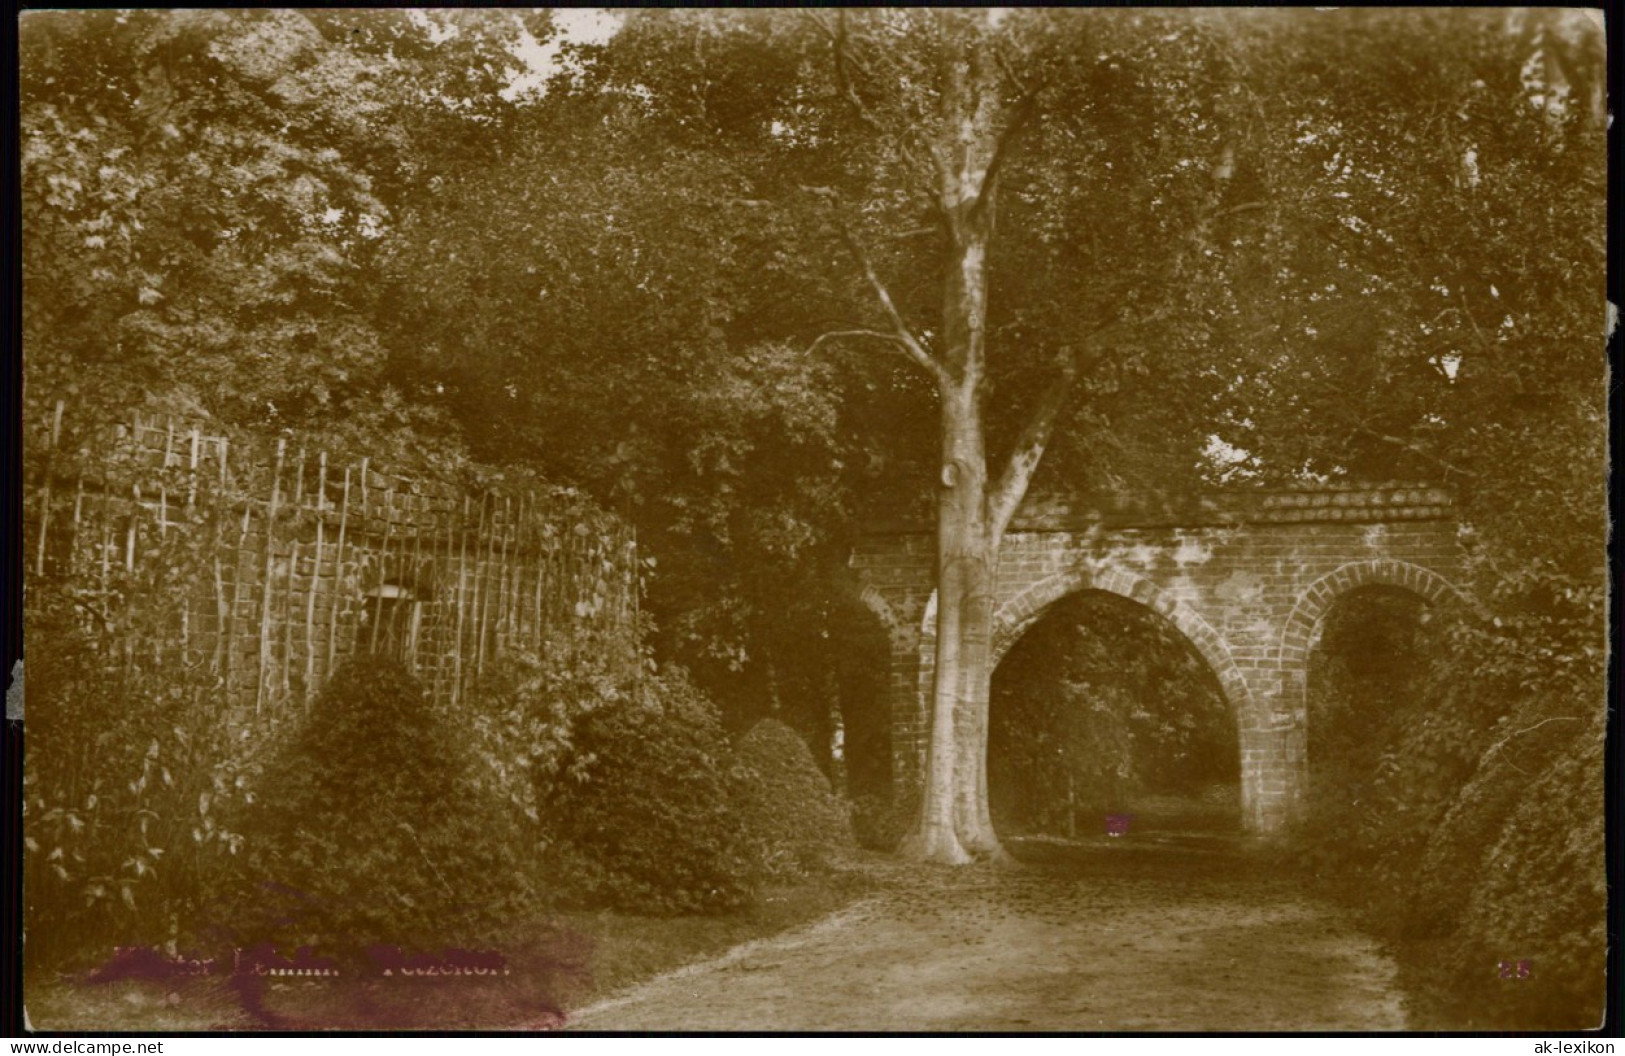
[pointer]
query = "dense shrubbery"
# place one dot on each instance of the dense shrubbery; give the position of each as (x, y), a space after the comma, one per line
(570, 778)
(879, 822)
(132, 762)
(637, 813)
(1539, 896)
(785, 804)
(372, 826)
(523, 717)
(1464, 819)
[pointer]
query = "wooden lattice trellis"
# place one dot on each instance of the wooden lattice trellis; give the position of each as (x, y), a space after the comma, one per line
(272, 563)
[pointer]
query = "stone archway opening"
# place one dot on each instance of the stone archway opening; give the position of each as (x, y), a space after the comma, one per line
(1365, 667)
(1106, 716)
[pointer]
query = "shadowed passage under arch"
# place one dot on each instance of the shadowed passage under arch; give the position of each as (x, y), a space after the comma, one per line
(1104, 709)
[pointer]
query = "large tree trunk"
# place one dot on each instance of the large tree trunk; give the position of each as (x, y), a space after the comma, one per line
(953, 820)
(955, 824)
(976, 127)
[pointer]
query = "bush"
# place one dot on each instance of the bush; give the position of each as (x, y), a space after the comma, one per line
(638, 815)
(373, 826)
(1477, 842)
(130, 760)
(880, 822)
(522, 719)
(785, 804)
(1516, 874)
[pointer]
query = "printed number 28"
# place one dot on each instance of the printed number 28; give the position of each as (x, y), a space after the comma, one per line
(1514, 969)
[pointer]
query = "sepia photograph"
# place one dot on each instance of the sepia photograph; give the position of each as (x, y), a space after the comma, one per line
(864, 520)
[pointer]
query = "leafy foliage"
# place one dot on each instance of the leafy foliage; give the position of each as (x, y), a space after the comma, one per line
(881, 820)
(206, 192)
(1328, 241)
(785, 804)
(1457, 806)
(639, 815)
(370, 827)
(1483, 369)
(629, 335)
(136, 756)
(524, 717)
(131, 774)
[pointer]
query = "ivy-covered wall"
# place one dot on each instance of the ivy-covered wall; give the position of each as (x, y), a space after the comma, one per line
(265, 563)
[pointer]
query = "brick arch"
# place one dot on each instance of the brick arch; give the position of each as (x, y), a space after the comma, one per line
(1015, 616)
(1298, 633)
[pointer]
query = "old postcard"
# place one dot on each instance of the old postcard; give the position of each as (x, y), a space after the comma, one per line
(870, 520)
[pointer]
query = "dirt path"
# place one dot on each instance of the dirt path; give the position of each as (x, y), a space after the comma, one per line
(1166, 934)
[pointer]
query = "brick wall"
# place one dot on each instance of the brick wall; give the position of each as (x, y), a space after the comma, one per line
(272, 563)
(1246, 577)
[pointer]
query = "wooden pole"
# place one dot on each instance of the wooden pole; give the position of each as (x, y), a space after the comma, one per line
(223, 633)
(637, 591)
(541, 572)
(383, 577)
(287, 621)
(107, 555)
(338, 576)
(476, 628)
(442, 568)
(634, 572)
(535, 558)
(237, 582)
(315, 577)
(130, 531)
(482, 587)
(462, 588)
(503, 630)
(191, 486)
(270, 557)
(415, 574)
(78, 511)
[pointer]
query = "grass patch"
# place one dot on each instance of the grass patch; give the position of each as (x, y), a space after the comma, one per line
(566, 962)
(629, 949)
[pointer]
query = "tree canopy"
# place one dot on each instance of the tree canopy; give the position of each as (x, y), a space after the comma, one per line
(703, 268)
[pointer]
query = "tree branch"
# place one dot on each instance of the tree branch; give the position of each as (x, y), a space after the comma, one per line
(1245, 207)
(1023, 111)
(1334, 398)
(843, 82)
(900, 330)
(836, 335)
(1010, 71)
(1396, 441)
(1029, 449)
(1498, 745)
(843, 58)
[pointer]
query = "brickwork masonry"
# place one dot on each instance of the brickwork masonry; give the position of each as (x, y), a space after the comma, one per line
(295, 560)
(1247, 580)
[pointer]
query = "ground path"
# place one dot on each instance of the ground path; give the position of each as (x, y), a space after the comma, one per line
(1170, 933)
